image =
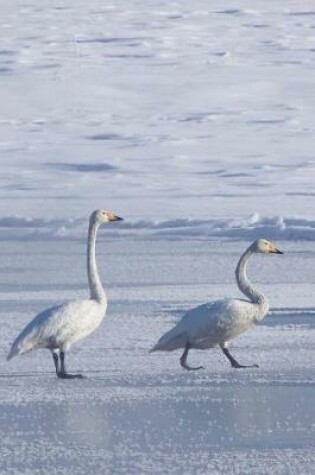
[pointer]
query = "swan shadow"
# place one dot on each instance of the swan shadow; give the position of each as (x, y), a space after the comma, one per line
(23, 375)
(35, 374)
(201, 380)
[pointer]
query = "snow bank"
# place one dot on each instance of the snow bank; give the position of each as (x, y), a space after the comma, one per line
(247, 229)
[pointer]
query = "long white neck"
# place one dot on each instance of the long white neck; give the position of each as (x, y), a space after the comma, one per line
(247, 288)
(95, 284)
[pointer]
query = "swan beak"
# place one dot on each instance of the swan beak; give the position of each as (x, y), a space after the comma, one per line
(276, 251)
(113, 217)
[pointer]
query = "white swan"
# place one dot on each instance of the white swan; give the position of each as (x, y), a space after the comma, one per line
(216, 323)
(57, 328)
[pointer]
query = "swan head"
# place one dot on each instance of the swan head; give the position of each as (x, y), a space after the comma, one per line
(265, 247)
(101, 216)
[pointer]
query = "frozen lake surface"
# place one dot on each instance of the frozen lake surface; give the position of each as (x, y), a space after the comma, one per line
(195, 122)
(141, 413)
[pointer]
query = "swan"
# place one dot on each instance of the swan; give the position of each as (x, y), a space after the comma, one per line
(58, 327)
(216, 323)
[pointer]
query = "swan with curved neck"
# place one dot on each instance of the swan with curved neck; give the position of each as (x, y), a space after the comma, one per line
(57, 328)
(215, 323)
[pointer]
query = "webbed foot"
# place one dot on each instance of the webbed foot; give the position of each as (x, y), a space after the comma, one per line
(235, 364)
(183, 360)
(70, 376)
(238, 365)
(190, 368)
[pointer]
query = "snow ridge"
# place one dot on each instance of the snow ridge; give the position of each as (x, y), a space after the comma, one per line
(248, 228)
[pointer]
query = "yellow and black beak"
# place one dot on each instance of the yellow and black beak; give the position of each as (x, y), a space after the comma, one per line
(276, 251)
(113, 217)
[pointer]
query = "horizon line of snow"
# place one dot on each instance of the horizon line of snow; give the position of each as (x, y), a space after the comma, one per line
(247, 228)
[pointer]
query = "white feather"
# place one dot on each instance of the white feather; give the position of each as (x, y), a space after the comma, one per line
(209, 325)
(60, 326)
(216, 323)
(57, 328)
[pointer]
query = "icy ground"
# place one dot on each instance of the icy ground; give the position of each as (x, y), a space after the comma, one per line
(194, 120)
(139, 413)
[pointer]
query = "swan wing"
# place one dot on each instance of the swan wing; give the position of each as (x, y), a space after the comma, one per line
(215, 323)
(195, 324)
(172, 340)
(208, 325)
(204, 323)
(58, 325)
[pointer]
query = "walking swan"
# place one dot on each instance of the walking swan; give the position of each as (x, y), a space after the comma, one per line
(57, 328)
(216, 323)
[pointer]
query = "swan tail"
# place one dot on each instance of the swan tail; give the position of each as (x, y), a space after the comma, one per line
(14, 351)
(170, 341)
(19, 348)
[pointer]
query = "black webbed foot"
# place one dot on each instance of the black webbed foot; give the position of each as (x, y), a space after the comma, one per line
(62, 373)
(183, 360)
(70, 376)
(190, 368)
(238, 365)
(235, 364)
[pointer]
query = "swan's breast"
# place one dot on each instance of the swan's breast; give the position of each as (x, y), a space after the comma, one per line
(70, 322)
(237, 317)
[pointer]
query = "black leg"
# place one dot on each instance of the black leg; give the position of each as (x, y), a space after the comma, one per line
(234, 363)
(56, 361)
(62, 373)
(183, 360)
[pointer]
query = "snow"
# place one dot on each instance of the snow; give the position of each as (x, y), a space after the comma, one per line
(197, 109)
(195, 122)
(248, 228)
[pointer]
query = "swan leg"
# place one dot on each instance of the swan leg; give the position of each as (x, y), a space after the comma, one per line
(63, 373)
(56, 360)
(234, 363)
(183, 360)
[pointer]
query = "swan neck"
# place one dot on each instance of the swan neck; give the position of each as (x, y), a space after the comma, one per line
(245, 286)
(95, 284)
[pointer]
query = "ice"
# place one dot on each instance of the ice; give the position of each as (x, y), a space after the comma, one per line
(137, 412)
(195, 122)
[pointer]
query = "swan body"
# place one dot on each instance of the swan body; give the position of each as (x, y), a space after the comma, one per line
(215, 323)
(58, 327)
(209, 325)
